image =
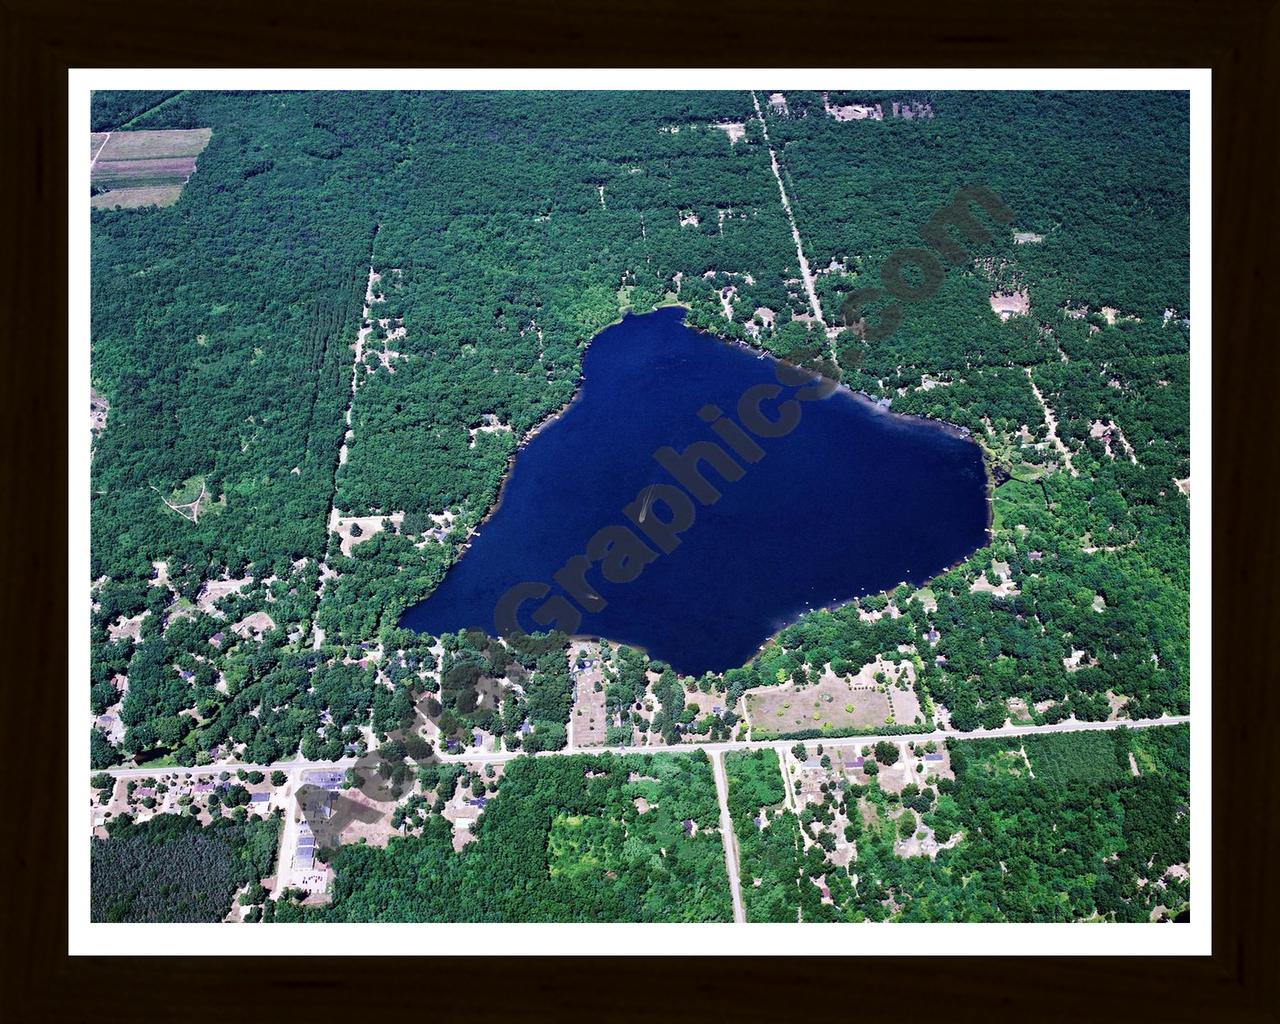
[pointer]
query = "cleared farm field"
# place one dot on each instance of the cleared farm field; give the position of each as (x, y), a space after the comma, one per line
(147, 168)
(131, 198)
(149, 145)
(136, 173)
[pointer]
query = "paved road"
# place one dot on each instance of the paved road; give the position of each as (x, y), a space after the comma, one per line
(712, 749)
(730, 839)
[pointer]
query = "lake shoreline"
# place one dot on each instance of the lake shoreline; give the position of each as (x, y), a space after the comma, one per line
(861, 398)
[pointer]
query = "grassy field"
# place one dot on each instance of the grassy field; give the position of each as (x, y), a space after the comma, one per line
(1068, 758)
(131, 198)
(832, 704)
(143, 168)
(154, 145)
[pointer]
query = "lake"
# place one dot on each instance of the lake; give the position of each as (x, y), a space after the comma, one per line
(852, 500)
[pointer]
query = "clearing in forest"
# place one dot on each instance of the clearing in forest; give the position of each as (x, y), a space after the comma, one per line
(835, 703)
(148, 168)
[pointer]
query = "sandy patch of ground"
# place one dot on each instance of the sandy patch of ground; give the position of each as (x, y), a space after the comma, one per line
(130, 629)
(835, 702)
(778, 104)
(734, 129)
(1005, 588)
(588, 719)
(368, 526)
(1105, 430)
(727, 296)
(98, 409)
(706, 703)
(689, 219)
(215, 590)
(852, 111)
(1117, 704)
(1078, 659)
(913, 109)
(1026, 238)
(1007, 304)
(256, 626)
(1184, 486)
(489, 424)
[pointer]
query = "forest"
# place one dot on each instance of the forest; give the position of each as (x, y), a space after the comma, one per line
(172, 869)
(491, 236)
(1078, 836)
(572, 838)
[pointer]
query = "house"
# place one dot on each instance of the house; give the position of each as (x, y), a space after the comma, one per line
(260, 798)
(857, 762)
(689, 826)
(216, 639)
(141, 794)
(525, 728)
(934, 758)
(1035, 556)
(478, 802)
(325, 779)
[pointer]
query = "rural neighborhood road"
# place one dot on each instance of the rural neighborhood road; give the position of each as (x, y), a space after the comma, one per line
(730, 839)
(500, 756)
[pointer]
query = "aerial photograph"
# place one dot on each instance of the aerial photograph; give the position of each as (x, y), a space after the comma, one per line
(637, 506)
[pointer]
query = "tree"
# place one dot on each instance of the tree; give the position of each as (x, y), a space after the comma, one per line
(887, 753)
(101, 753)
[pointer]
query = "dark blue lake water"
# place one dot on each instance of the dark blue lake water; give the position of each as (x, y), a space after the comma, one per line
(851, 501)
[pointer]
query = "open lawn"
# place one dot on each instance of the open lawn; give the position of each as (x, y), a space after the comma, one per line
(832, 704)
